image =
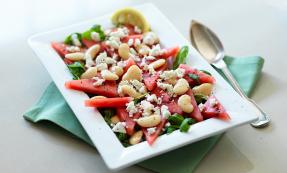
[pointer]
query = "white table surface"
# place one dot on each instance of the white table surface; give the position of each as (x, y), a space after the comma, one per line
(257, 27)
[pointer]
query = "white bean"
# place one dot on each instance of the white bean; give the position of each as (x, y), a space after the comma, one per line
(149, 121)
(130, 91)
(184, 102)
(90, 73)
(108, 75)
(98, 97)
(158, 63)
(117, 70)
(77, 56)
(204, 89)
(136, 137)
(133, 73)
(124, 51)
(181, 87)
(93, 51)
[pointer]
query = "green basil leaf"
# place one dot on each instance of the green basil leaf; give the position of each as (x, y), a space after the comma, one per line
(107, 114)
(77, 69)
(171, 129)
(206, 72)
(199, 98)
(123, 138)
(175, 119)
(194, 77)
(186, 124)
(95, 28)
(69, 40)
(180, 57)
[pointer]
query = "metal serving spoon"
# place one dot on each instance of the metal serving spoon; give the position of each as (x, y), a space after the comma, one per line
(210, 47)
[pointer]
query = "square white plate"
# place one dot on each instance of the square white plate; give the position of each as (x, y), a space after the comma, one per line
(114, 154)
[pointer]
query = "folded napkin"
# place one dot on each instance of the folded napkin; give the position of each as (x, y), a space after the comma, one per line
(53, 107)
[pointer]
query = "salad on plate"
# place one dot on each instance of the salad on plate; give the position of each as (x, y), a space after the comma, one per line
(142, 89)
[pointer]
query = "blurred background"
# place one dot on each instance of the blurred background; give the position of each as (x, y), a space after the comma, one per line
(246, 27)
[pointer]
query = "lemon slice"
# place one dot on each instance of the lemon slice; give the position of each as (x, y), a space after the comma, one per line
(132, 17)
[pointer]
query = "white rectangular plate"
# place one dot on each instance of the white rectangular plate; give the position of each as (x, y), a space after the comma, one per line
(114, 154)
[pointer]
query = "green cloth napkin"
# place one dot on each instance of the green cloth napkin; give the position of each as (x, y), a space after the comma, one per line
(53, 107)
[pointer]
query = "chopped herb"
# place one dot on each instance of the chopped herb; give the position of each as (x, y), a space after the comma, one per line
(180, 57)
(200, 98)
(186, 124)
(77, 69)
(95, 28)
(123, 138)
(139, 99)
(194, 77)
(69, 39)
(206, 72)
(175, 119)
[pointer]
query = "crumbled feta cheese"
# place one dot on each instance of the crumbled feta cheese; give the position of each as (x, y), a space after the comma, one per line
(73, 49)
(151, 69)
(164, 86)
(156, 50)
(101, 58)
(156, 110)
(137, 42)
(121, 63)
(102, 66)
(147, 107)
(98, 81)
(151, 131)
(180, 72)
(89, 62)
(120, 33)
(142, 90)
(115, 57)
(150, 38)
(75, 40)
(168, 75)
(131, 108)
(164, 111)
(149, 57)
(167, 124)
(144, 50)
(137, 84)
(201, 107)
(135, 57)
(137, 30)
(130, 42)
(212, 102)
(95, 36)
(109, 60)
(119, 127)
(151, 98)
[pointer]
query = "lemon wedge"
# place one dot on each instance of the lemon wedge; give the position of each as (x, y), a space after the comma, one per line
(132, 17)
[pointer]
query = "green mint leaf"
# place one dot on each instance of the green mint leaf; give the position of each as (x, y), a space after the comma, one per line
(180, 57)
(77, 69)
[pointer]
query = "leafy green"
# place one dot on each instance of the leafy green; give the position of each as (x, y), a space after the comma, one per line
(171, 129)
(95, 28)
(77, 69)
(175, 119)
(107, 114)
(194, 77)
(186, 124)
(180, 57)
(200, 98)
(139, 99)
(123, 138)
(206, 72)
(69, 39)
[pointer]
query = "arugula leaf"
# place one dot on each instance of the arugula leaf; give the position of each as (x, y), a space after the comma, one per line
(77, 69)
(69, 39)
(171, 129)
(180, 57)
(200, 98)
(175, 119)
(95, 28)
(206, 72)
(194, 77)
(186, 124)
(123, 138)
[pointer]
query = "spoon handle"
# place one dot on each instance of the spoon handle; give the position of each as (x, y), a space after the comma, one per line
(263, 119)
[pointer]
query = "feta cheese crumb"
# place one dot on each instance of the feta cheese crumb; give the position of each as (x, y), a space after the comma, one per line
(75, 40)
(200, 107)
(133, 51)
(156, 50)
(147, 107)
(149, 57)
(131, 108)
(121, 63)
(98, 81)
(95, 36)
(164, 111)
(130, 42)
(151, 131)
(102, 66)
(167, 124)
(180, 72)
(137, 42)
(152, 98)
(119, 127)
(164, 86)
(101, 58)
(142, 90)
(150, 38)
(73, 49)
(212, 102)
(151, 69)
